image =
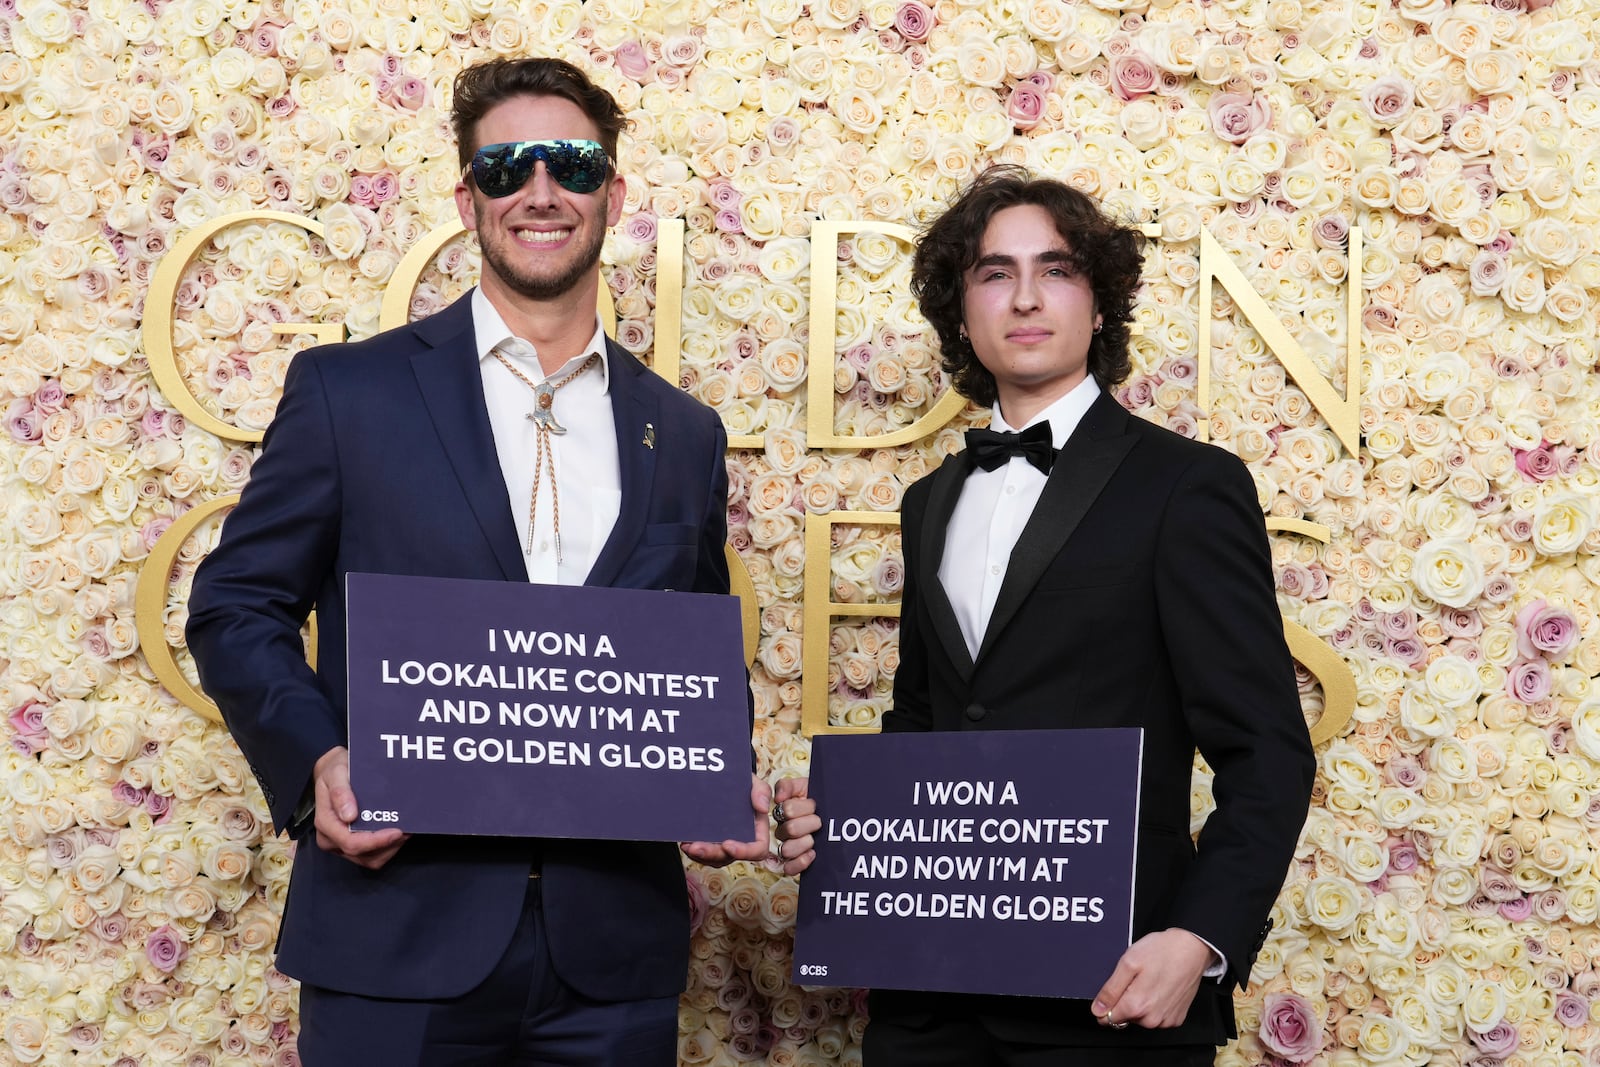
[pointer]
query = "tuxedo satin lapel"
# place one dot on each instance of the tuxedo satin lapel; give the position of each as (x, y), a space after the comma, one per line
(452, 389)
(942, 497)
(636, 414)
(1084, 467)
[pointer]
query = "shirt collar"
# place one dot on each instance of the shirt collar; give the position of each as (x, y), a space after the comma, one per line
(1064, 414)
(489, 330)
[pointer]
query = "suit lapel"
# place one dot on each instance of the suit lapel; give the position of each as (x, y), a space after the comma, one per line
(452, 388)
(942, 497)
(635, 412)
(1086, 463)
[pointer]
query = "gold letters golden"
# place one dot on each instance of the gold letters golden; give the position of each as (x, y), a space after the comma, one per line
(1342, 414)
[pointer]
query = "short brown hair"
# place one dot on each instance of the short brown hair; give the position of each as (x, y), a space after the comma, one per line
(480, 87)
(1107, 253)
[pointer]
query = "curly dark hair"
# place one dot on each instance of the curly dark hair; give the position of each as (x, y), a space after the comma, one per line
(480, 87)
(1106, 252)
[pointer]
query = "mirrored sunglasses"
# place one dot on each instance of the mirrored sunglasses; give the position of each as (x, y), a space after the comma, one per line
(577, 166)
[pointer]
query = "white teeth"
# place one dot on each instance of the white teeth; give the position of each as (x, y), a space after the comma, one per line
(544, 237)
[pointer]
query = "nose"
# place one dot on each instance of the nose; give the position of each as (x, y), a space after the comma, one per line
(543, 190)
(1025, 296)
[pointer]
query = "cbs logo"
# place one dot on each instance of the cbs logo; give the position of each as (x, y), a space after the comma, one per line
(814, 970)
(368, 815)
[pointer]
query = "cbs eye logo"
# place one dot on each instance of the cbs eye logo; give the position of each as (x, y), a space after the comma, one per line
(814, 970)
(368, 815)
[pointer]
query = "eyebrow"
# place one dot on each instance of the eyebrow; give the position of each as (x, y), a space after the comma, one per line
(1000, 259)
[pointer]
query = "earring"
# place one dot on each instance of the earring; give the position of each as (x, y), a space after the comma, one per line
(1097, 327)
(962, 330)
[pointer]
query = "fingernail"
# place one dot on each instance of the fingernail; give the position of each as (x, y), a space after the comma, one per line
(1098, 1008)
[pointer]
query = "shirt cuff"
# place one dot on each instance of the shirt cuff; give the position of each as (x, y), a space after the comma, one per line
(1218, 967)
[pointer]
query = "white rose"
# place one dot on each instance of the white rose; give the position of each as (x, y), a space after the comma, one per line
(1560, 524)
(1446, 571)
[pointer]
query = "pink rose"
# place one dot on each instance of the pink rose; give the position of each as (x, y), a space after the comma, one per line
(632, 59)
(1572, 1011)
(23, 423)
(1487, 272)
(1025, 106)
(1132, 75)
(28, 723)
(1461, 622)
(1537, 464)
(1500, 1040)
(1331, 231)
(1528, 681)
(698, 903)
(158, 805)
(165, 949)
(1289, 1027)
(1236, 116)
(1388, 100)
(49, 397)
(1547, 630)
(1497, 885)
(410, 93)
(914, 20)
(640, 228)
(1516, 910)
(888, 577)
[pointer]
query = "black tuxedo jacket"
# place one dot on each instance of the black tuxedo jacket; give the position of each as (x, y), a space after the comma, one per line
(381, 459)
(1140, 593)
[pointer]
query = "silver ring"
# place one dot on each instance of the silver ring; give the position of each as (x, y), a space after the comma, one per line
(778, 814)
(1119, 1026)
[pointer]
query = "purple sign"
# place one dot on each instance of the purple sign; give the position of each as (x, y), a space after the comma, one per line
(547, 711)
(972, 862)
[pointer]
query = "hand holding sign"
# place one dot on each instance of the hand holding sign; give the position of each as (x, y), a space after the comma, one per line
(337, 808)
(796, 816)
(1015, 880)
(715, 855)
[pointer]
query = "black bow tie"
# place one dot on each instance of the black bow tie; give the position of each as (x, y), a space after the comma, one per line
(989, 449)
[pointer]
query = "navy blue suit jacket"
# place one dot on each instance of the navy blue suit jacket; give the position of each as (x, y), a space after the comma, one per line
(381, 459)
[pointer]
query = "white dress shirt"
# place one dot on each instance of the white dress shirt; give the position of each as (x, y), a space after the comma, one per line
(989, 516)
(588, 477)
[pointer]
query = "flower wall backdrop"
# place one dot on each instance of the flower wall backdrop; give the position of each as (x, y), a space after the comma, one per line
(1445, 904)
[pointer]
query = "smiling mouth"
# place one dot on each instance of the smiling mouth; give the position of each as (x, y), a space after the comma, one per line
(542, 237)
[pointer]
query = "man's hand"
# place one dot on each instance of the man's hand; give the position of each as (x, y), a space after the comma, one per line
(714, 855)
(1155, 981)
(796, 848)
(337, 809)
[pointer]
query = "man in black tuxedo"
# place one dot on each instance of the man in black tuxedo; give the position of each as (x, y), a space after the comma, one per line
(1076, 567)
(504, 438)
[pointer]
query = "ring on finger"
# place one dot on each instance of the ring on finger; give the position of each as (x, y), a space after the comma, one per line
(779, 816)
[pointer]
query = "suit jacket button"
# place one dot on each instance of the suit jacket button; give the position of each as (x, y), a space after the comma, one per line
(977, 712)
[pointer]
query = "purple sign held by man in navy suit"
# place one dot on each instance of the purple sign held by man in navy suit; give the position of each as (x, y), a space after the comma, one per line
(506, 708)
(982, 862)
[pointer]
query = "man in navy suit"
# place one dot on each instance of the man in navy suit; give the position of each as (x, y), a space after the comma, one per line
(503, 438)
(1076, 567)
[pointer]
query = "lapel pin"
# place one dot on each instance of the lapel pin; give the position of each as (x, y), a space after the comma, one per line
(649, 435)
